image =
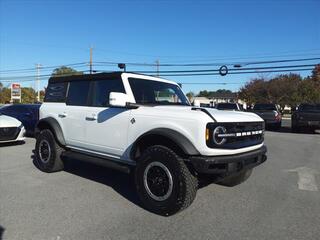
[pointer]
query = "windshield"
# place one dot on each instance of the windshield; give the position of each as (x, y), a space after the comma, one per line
(227, 106)
(268, 107)
(157, 93)
(310, 107)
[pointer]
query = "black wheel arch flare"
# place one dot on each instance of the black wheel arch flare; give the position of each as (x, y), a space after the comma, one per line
(173, 137)
(53, 125)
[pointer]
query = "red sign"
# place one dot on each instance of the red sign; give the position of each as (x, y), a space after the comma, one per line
(15, 85)
(15, 91)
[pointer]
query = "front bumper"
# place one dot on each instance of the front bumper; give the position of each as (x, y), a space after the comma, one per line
(19, 137)
(228, 164)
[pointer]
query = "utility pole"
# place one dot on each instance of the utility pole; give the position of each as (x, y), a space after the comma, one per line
(38, 66)
(158, 66)
(90, 63)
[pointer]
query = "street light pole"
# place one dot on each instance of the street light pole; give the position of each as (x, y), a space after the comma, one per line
(38, 65)
(90, 60)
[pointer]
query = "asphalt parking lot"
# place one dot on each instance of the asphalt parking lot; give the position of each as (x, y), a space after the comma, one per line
(281, 200)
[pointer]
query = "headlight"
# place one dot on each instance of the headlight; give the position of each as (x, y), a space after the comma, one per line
(217, 135)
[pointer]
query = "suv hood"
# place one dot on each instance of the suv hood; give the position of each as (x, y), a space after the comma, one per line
(233, 116)
(218, 115)
(6, 121)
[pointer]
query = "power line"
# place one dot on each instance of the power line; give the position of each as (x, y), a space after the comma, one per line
(44, 70)
(45, 77)
(244, 72)
(261, 55)
(48, 67)
(83, 64)
(248, 58)
(231, 69)
(212, 63)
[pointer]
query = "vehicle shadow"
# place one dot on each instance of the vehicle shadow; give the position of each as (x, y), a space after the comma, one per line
(1, 232)
(8, 144)
(122, 183)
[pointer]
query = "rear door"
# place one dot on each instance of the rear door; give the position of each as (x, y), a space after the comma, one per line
(107, 127)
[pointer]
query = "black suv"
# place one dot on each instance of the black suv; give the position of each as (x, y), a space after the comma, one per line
(306, 116)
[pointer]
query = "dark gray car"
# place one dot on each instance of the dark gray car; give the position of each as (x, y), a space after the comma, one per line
(270, 113)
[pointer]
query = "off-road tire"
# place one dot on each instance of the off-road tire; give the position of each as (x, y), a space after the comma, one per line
(184, 183)
(54, 162)
(236, 179)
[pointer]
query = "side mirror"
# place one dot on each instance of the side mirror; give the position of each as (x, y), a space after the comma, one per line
(117, 99)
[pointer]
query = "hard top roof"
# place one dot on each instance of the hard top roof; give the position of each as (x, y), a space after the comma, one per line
(100, 76)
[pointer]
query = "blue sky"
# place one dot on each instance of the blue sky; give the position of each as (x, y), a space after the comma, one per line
(61, 32)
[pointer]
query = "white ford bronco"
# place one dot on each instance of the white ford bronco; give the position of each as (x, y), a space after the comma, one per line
(146, 125)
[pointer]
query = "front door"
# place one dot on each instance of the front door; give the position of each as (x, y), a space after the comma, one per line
(107, 127)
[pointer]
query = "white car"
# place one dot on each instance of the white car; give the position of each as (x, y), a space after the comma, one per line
(11, 129)
(134, 122)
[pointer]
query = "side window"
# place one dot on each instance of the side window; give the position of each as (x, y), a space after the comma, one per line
(78, 93)
(56, 92)
(166, 95)
(102, 90)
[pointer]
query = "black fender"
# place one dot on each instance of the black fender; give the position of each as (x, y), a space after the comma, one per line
(176, 137)
(54, 126)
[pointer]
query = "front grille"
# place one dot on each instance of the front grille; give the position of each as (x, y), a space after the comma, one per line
(9, 133)
(237, 135)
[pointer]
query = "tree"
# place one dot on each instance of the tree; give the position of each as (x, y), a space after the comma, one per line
(210, 94)
(315, 76)
(255, 91)
(63, 71)
(28, 95)
(190, 96)
(203, 93)
(285, 89)
(5, 95)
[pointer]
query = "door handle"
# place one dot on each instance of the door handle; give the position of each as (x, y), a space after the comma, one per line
(91, 118)
(62, 115)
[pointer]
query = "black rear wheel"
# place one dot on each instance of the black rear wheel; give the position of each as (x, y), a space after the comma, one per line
(164, 183)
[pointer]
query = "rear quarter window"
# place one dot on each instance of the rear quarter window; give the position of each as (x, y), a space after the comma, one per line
(78, 93)
(56, 92)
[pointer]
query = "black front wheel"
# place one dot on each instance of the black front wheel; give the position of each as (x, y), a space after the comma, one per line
(48, 152)
(163, 181)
